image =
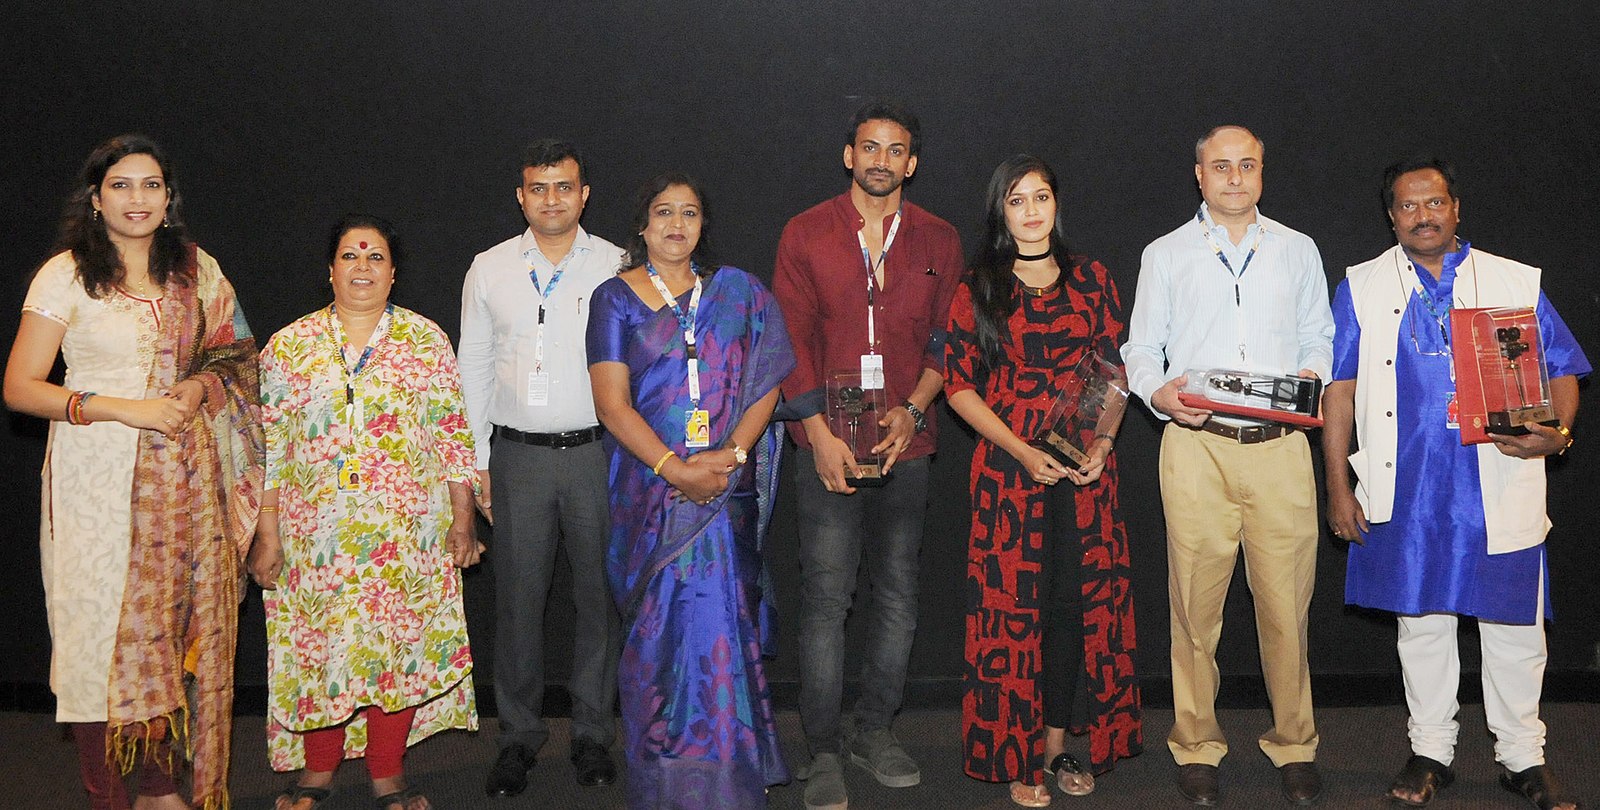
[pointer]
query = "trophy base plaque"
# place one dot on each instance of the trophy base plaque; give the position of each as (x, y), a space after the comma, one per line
(872, 475)
(1061, 448)
(1515, 423)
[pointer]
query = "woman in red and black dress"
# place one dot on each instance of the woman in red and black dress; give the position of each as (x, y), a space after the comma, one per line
(1050, 639)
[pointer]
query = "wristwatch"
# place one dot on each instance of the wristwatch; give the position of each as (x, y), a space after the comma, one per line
(1566, 433)
(739, 454)
(917, 416)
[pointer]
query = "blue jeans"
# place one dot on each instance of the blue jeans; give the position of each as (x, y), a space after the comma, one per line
(883, 526)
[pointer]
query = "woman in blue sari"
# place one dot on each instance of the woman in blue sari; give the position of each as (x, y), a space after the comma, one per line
(685, 359)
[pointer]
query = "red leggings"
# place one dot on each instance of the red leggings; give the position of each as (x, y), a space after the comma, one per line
(104, 784)
(386, 743)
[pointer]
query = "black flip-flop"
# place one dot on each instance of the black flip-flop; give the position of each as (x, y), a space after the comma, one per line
(1424, 776)
(1066, 763)
(1537, 785)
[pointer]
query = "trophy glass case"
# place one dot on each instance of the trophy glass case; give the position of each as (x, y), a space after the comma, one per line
(1505, 366)
(853, 414)
(1089, 402)
(1274, 397)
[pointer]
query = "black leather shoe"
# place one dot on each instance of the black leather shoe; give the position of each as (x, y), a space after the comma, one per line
(592, 764)
(509, 776)
(1302, 784)
(1198, 783)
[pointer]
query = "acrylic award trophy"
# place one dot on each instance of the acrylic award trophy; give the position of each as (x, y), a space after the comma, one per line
(1089, 402)
(1275, 398)
(853, 414)
(1502, 385)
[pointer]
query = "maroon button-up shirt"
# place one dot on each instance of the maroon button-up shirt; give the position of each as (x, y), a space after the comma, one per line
(821, 283)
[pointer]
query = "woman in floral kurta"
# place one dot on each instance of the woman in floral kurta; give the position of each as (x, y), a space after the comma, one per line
(367, 605)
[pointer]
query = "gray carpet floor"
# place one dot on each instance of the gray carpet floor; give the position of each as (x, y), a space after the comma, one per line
(1361, 749)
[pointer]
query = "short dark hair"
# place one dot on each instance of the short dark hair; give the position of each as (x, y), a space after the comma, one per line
(638, 252)
(1200, 145)
(1416, 163)
(884, 110)
(549, 152)
(384, 227)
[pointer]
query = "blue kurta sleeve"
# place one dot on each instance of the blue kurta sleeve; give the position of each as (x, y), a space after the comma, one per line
(1563, 357)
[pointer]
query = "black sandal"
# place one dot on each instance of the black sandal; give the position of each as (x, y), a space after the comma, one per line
(1066, 765)
(1423, 776)
(295, 794)
(403, 797)
(1537, 785)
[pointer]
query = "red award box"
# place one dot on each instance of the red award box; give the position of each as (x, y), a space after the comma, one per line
(1501, 382)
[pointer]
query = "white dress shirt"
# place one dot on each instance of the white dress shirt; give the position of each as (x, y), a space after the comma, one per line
(500, 328)
(1185, 314)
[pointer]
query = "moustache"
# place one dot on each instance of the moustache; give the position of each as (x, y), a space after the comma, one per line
(1423, 226)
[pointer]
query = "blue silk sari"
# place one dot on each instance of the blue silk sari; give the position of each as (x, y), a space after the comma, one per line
(698, 727)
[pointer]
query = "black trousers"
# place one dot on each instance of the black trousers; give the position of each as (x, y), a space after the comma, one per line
(1061, 676)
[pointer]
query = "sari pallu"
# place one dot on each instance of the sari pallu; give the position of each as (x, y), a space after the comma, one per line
(698, 726)
(195, 503)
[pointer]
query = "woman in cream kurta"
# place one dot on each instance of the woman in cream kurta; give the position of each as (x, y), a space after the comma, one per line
(149, 483)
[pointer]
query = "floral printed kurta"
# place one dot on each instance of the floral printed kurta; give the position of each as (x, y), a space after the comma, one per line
(368, 607)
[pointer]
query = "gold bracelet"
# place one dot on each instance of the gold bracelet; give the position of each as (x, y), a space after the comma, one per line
(267, 510)
(1566, 432)
(656, 470)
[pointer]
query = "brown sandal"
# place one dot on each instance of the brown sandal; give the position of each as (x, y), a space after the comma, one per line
(1030, 795)
(298, 795)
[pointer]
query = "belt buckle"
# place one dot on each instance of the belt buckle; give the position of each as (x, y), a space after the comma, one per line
(1251, 434)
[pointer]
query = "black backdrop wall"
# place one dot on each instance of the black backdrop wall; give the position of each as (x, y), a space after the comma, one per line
(279, 121)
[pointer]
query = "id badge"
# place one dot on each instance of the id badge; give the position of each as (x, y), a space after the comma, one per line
(698, 432)
(538, 388)
(349, 474)
(1452, 412)
(871, 371)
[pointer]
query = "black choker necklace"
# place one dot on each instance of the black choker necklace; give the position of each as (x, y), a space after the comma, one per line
(1032, 257)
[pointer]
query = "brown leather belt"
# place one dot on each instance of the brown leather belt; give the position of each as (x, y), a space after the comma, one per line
(560, 441)
(1247, 434)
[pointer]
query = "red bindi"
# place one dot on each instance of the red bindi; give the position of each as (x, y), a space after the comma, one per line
(363, 246)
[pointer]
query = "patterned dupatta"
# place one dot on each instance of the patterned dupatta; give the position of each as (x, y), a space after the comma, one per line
(195, 503)
(744, 353)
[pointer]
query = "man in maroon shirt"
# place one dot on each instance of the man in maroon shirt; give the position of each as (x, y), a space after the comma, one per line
(865, 281)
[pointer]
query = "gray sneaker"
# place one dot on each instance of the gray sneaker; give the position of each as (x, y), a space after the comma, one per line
(825, 784)
(880, 753)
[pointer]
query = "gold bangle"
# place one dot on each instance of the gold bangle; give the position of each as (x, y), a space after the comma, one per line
(656, 470)
(267, 510)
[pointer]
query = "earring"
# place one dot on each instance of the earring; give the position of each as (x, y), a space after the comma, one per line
(96, 214)
(166, 223)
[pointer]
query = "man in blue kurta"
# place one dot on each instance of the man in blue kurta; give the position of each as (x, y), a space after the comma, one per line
(1442, 530)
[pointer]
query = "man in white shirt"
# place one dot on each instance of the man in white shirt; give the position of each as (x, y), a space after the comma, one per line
(525, 375)
(1232, 289)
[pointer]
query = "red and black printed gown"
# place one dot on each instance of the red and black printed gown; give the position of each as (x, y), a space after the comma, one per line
(1002, 719)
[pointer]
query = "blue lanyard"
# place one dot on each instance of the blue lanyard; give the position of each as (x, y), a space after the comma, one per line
(336, 334)
(1205, 228)
(685, 322)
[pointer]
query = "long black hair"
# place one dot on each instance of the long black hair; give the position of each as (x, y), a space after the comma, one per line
(100, 267)
(704, 258)
(994, 288)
